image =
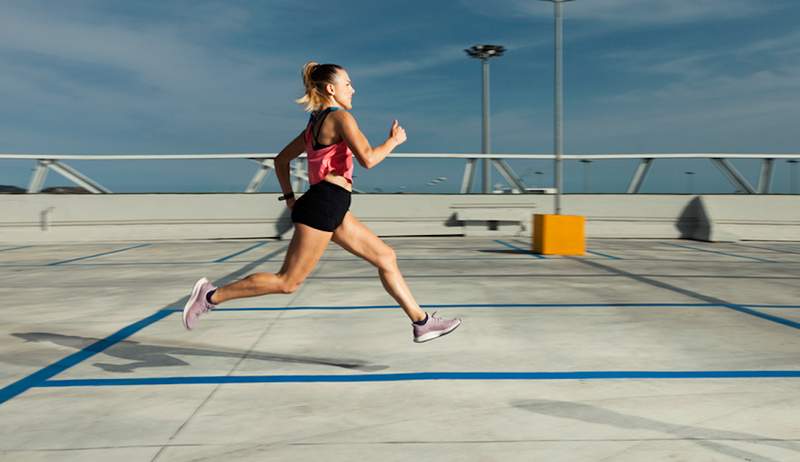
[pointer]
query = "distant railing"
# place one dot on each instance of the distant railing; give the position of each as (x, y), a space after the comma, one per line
(56, 163)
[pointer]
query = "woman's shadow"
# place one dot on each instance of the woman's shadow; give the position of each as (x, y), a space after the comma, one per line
(146, 356)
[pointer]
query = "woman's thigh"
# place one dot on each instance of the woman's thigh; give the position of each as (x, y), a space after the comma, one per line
(356, 238)
(306, 248)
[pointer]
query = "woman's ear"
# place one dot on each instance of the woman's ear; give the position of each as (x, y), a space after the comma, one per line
(331, 89)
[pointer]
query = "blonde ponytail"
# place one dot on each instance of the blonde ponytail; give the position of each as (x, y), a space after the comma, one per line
(315, 77)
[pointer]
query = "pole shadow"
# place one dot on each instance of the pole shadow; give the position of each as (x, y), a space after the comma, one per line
(708, 438)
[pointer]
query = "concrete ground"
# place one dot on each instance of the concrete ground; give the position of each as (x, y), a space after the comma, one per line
(643, 350)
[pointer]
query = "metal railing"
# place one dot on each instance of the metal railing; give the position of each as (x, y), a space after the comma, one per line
(56, 163)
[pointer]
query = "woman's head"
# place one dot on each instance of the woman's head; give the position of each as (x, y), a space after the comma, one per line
(326, 84)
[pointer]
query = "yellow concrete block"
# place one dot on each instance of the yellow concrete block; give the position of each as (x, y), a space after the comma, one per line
(559, 234)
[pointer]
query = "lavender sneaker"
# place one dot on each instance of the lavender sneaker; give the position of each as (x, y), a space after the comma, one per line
(197, 303)
(435, 327)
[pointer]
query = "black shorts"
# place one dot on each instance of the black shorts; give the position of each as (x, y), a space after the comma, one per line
(322, 207)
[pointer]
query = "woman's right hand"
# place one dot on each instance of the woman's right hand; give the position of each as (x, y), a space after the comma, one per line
(290, 203)
(398, 133)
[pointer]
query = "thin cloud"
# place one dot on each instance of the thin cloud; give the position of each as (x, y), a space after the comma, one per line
(707, 74)
(442, 56)
(168, 78)
(435, 58)
(159, 55)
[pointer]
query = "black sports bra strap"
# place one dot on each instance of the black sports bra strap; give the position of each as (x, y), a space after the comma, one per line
(317, 123)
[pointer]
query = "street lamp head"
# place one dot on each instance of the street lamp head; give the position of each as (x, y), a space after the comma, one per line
(485, 51)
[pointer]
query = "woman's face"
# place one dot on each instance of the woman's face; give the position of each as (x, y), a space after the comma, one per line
(342, 90)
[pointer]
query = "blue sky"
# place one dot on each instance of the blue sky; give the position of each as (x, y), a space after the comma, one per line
(163, 77)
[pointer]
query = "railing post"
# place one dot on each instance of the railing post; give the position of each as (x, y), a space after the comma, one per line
(298, 175)
(765, 178)
(38, 177)
(469, 175)
(639, 176)
(258, 178)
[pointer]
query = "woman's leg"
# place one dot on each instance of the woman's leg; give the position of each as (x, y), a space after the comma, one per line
(307, 246)
(356, 238)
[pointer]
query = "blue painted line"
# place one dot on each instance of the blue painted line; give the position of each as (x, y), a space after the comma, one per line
(220, 260)
(41, 376)
(720, 253)
(604, 255)
(771, 306)
(520, 249)
(16, 248)
(97, 255)
(401, 377)
(467, 305)
(768, 317)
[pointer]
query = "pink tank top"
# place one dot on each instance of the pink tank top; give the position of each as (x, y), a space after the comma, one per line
(322, 160)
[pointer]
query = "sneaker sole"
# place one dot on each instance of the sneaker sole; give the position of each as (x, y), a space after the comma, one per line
(434, 335)
(192, 298)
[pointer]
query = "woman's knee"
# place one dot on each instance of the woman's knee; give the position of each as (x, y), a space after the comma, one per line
(289, 285)
(387, 259)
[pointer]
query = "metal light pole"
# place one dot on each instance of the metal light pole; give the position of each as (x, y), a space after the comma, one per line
(558, 101)
(484, 53)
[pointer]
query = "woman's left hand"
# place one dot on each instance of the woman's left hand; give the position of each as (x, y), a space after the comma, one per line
(290, 203)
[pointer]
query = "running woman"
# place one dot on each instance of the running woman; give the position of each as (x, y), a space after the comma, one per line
(322, 214)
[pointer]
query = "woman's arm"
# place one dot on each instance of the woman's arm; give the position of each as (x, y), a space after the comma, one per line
(292, 150)
(367, 156)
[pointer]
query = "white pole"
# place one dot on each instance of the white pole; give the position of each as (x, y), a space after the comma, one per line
(485, 146)
(558, 97)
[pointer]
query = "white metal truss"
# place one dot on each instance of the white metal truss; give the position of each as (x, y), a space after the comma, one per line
(517, 186)
(70, 173)
(733, 175)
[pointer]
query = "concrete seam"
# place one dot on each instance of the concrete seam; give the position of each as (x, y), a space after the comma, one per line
(44, 374)
(235, 366)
